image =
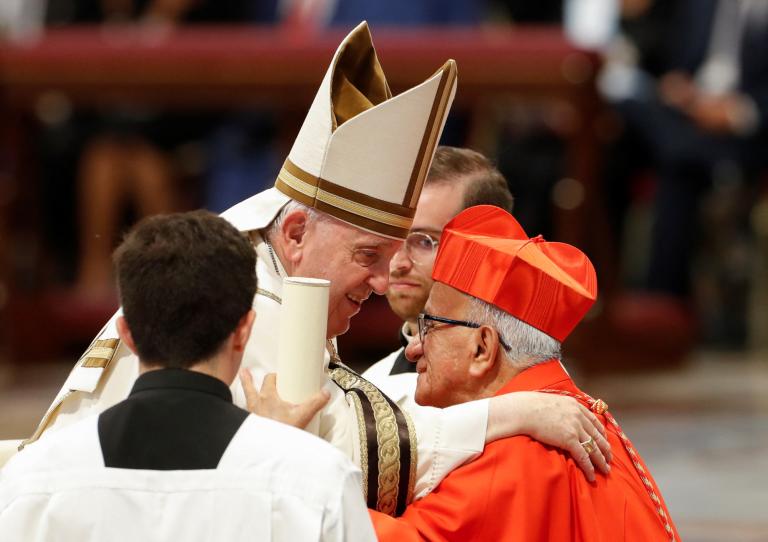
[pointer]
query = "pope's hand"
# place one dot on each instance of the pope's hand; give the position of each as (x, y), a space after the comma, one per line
(266, 402)
(552, 419)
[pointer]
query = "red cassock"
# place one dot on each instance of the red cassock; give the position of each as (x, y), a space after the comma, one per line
(522, 490)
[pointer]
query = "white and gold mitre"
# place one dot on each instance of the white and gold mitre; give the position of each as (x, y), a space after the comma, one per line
(361, 155)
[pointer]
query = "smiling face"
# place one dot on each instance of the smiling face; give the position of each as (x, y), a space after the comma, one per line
(356, 262)
(409, 283)
(443, 360)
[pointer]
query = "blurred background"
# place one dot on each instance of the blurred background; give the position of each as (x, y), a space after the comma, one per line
(634, 129)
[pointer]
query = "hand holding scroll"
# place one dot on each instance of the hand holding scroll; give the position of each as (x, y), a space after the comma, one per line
(267, 403)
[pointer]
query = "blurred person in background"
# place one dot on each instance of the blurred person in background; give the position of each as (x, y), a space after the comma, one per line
(458, 178)
(499, 310)
(699, 117)
(133, 156)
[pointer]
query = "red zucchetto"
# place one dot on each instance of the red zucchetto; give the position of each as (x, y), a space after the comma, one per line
(485, 253)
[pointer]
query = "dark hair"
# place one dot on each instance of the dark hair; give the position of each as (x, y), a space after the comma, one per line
(485, 185)
(185, 281)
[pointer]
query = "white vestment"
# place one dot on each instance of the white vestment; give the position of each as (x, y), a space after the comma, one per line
(446, 438)
(401, 387)
(273, 482)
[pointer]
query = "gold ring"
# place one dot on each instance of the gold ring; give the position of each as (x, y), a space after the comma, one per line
(589, 445)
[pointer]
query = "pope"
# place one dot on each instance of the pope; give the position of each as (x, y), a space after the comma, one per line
(342, 204)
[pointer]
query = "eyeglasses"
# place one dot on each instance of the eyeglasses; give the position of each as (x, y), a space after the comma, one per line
(420, 247)
(366, 257)
(427, 323)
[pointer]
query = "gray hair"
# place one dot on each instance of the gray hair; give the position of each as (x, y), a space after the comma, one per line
(527, 345)
(313, 215)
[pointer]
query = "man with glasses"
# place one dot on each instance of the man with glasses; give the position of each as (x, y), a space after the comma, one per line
(494, 322)
(341, 206)
(458, 178)
(177, 442)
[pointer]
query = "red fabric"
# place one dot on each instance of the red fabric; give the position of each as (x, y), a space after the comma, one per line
(521, 490)
(485, 253)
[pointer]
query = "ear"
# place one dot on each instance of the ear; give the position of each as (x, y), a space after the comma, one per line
(293, 235)
(243, 331)
(124, 332)
(485, 361)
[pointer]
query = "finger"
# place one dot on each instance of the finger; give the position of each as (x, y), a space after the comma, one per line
(269, 384)
(605, 447)
(307, 410)
(593, 420)
(599, 433)
(597, 457)
(246, 381)
(582, 459)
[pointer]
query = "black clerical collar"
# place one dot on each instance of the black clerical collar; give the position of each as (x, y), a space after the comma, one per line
(181, 379)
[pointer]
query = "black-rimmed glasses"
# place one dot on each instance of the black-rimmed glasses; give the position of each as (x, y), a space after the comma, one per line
(427, 322)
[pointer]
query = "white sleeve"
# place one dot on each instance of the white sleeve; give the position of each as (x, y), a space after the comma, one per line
(349, 519)
(447, 438)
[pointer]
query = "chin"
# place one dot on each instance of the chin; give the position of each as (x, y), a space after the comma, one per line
(421, 396)
(337, 328)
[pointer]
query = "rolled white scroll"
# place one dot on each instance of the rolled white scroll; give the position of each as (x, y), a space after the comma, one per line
(302, 339)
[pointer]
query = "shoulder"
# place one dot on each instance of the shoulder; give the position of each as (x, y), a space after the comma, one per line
(267, 441)
(290, 461)
(523, 461)
(75, 445)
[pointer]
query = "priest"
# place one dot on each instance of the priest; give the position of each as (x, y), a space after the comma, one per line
(493, 324)
(177, 443)
(341, 205)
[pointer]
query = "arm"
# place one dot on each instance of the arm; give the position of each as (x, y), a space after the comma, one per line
(556, 420)
(517, 491)
(349, 520)
(450, 437)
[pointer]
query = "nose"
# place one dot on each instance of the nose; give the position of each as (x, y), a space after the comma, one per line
(379, 279)
(414, 350)
(400, 263)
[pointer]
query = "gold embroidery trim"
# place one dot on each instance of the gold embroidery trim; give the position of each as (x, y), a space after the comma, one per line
(363, 442)
(100, 353)
(343, 203)
(46, 421)
(270, 295)
(414, 455)
(387, 437)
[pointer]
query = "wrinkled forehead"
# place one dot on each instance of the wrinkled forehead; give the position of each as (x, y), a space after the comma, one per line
(446, 300)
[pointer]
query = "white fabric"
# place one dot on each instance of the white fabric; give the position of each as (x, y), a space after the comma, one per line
(8, 449)
(273, 483)
(256, 212)
(401, 388)
(375, 152)
(446, 438)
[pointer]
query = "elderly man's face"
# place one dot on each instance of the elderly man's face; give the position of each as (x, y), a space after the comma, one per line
(443, 359)
(356, 262)
(409, 281)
